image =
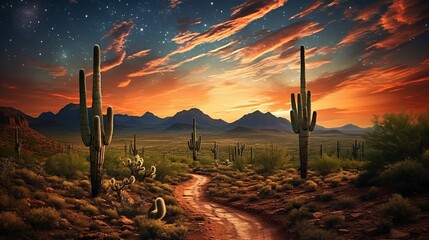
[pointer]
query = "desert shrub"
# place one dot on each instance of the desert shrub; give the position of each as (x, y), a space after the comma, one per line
(371, 194)
(165, 167)
(20, 192)
(67, 165)
(94, 226)
(56, 201)
(344, 203)
(89, 209)
(205, 160)
(366, 178)
(234, 197)
(113, 165)
(43, 218)
(399, 210)
(239, 164)
(406, 177)
(30, 177)
(325, 165)
(331, 220)
(296, 203)
(310, 186)
(155, 229)
(398, 136)
(266, 191)
(270, 159)
(307, 231)
(111, 213)
(298, 214)
(11, 223)
(326, 196)
(385, 225)
(172, 212)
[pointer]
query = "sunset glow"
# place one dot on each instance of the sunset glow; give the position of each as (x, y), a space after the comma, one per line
(227, 58)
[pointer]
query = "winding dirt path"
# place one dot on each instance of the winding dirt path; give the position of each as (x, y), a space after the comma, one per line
(215, 221)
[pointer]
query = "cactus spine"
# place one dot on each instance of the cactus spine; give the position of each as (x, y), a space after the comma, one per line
(193, 144)
(215, 150)
(301, 119)
(338, 149)
(96, 137)
(158, 209)
(355, 149)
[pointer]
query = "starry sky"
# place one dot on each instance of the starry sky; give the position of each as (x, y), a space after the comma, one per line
(225, 57)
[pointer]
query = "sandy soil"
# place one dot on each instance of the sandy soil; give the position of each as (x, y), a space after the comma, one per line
(215, 221)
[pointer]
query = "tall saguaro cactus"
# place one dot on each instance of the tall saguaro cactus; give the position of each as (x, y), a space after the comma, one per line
(18, 142)
(355, 149)
(193, 144)
(215, 150)
(96, 137)
(301, 119)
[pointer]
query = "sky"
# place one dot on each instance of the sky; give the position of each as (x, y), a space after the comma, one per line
(227, 57)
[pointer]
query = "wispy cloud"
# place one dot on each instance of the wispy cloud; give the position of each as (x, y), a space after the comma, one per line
(124, 83)
(119, 34)
(175, 3)
(308, 10)
(139, 54)
(52, 70)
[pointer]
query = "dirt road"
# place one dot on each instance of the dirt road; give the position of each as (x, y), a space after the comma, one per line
(215, 221)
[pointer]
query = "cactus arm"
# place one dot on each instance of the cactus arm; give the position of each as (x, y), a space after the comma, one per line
(198, 144)
(83, 110)
(308, 105)
(158, 209)
(97, 133)
(313, 121)
(109, 126)
(294, 121)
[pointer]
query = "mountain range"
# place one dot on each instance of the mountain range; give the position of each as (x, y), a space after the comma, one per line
(68, 119)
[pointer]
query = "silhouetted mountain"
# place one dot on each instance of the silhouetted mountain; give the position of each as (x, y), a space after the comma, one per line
(261, 120)
(204, 121)
(180, 127)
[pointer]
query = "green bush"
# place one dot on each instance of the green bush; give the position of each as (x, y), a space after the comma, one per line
(296, 202)
(155, 229)
(43, 218)
(164, 167)
(325, 165)
(239, 164)
(326, 196)
(270, 159)
(67, 165)
(331, 220)
(399, 210)
(307, 231)
(297, 215)
(344, 203)
(406, 177)
(113, 165)
(396, 137)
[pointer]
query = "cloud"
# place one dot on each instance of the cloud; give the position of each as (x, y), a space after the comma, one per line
(183, 24)
(308, 10)
(369, 11)
(357, 33)
(53, 70)
(109, 64)
(124, 83)
(241, 16)
(175, 3)
(119, 34)
(277, 39)
(138, 54)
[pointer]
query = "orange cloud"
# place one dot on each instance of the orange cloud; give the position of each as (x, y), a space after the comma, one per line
(403, 12)
(174, 3)
(109, 64)
(124, 83)
(308, 10)
(53, 70)
(369, 11)
(119, 34)
(357, 33)
(138, 54)
(241, 16)
(277, 39)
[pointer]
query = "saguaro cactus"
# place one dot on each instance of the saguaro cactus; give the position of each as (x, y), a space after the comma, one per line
(363, 149)
(321, 150)
(338, 149)
(301, 119)
(96, 137)
(215, 150)
(194, 144)
(355, 149)
(240, 149)
(135, 151)
(18, 142)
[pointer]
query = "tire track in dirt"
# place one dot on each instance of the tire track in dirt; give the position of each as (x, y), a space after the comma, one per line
(218, 221)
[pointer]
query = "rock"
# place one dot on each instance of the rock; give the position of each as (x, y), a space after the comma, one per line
(101, 223)
(337, 212)
(128, 227)
(126, 221)
(35, 203)
(91, 235)
(318, 214)
(396, 234)
(100, 217)
(343, 230)
(49, 189)
(356, 215)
